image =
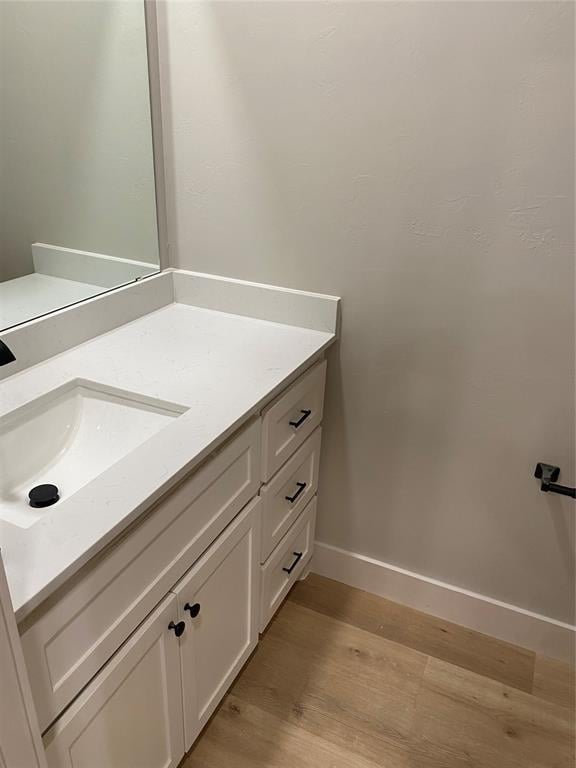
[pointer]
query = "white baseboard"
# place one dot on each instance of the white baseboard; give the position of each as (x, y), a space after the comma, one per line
(469, 609)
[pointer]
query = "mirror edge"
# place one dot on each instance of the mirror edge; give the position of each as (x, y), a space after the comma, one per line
(155, 95)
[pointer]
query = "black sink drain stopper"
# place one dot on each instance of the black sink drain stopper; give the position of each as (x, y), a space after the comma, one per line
(43, 495)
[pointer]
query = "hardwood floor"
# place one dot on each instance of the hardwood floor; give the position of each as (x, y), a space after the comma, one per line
(344, 679)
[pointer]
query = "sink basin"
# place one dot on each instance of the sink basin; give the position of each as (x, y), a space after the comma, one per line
(67, 438)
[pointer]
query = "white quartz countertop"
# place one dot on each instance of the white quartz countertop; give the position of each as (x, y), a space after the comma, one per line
(221, 367)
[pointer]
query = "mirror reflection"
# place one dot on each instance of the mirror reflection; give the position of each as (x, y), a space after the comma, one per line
(77, 198)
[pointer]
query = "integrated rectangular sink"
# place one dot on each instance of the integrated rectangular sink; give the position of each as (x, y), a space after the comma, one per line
(67, 438)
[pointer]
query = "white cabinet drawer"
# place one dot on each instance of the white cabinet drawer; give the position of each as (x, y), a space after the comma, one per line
(286, 495)
(218, 599)
(286, 563)
(291, 418)
(130, 715)
(66, 642)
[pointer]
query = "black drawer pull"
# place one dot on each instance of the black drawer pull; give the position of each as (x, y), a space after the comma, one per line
(178, 628)
(298, 556)
(292, 499)
(305, 413)
(193, 609)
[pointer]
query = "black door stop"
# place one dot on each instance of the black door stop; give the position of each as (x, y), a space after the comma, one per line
(548, 474)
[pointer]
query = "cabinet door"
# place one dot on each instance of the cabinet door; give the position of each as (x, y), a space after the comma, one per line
(130, 715)
(218, 600)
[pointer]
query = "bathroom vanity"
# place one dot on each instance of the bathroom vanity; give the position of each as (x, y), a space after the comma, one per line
(159, 442)
(141, 593)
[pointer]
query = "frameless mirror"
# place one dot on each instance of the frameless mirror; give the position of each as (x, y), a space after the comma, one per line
(77, 196)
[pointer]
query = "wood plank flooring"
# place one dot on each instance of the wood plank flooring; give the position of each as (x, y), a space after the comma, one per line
(344, 679)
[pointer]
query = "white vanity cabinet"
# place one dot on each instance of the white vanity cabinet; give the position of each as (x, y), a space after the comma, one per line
(129, 660)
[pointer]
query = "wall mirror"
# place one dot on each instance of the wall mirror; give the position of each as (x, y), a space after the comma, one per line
(77, 190)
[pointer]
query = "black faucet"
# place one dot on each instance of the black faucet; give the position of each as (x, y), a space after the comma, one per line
(6, 355)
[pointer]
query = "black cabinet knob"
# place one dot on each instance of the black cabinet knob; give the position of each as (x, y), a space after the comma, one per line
(178, 628)
(193, 609)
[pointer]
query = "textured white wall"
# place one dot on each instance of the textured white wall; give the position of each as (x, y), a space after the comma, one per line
(75, 139)
(416, 159)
